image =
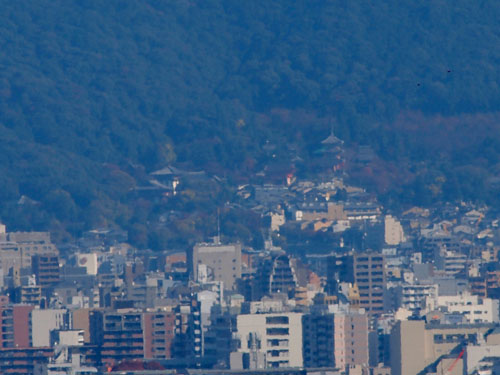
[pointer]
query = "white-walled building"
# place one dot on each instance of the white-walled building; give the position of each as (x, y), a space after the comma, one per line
(45, 321)
(414, 297)
(474, 308)
(277, 336)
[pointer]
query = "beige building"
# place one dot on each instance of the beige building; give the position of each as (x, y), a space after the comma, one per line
(320, 211)
(351, 339)
(17, 248)
(277, 336)
(415, 345)
(216, 262)
(370, 278)
(394, 234)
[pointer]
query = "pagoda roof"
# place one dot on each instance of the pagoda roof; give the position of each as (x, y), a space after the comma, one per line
(332, 140)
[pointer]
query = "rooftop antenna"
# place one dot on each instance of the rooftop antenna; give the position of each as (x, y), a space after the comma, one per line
(218, 226)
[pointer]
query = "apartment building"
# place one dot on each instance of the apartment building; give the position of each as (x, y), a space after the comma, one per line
(414, 297)
(159, 331)
(318, 339)
(369, 276)
(122, 337)
(277, 336)
(351, 338)
(18, 248)
(15, 325)
(46, 269)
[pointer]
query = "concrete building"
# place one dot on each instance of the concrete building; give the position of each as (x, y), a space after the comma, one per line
(188, 342)
(414, 297)
(393, 231)
(414, 345)
(339, 268)
(89, 262)
(276, 274)
(44, 321)
(277, 336)
(122, 337)
(159, 332)
(451, 262)
(318, 348)
(216, 262)
(70, 337)
(18, 248)
(351, 339)
(22, 361)
(369, 276)
(15, 325)
(335, 337)
(473, 308)
(46, 269)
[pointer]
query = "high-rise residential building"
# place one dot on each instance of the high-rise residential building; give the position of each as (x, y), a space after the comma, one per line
(276, 274)
(122, 337)
(369, 275)
(318, 339)
(339, 269)
(335, 336)
(159, 331)
(21, 361)
(351, 338)
(46, 269)
(216, 262)
(15, 325)
(414, 297)
(277, 336)
(188, 331)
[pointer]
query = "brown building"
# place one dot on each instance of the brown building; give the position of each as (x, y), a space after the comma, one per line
(28, 294)
(159, 331)
(46, 269)
(22, 361)
(81, 320)
(369, 276)
(15, 326)
(122, 337)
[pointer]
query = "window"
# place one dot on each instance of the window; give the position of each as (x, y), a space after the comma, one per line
(277, 320)
(277, 331)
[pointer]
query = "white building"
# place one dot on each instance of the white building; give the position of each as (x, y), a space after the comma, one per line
(89, 262)
(45, 321)
(414, 297)
(277, 336)
(472, 307)
(451, 262)
(72, 337)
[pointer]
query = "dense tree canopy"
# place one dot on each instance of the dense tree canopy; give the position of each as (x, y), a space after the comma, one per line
(93, 94)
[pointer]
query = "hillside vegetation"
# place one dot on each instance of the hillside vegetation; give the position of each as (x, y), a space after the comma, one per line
(95, 94)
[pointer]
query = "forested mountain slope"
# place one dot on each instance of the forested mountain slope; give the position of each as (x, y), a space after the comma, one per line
(94, 93)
